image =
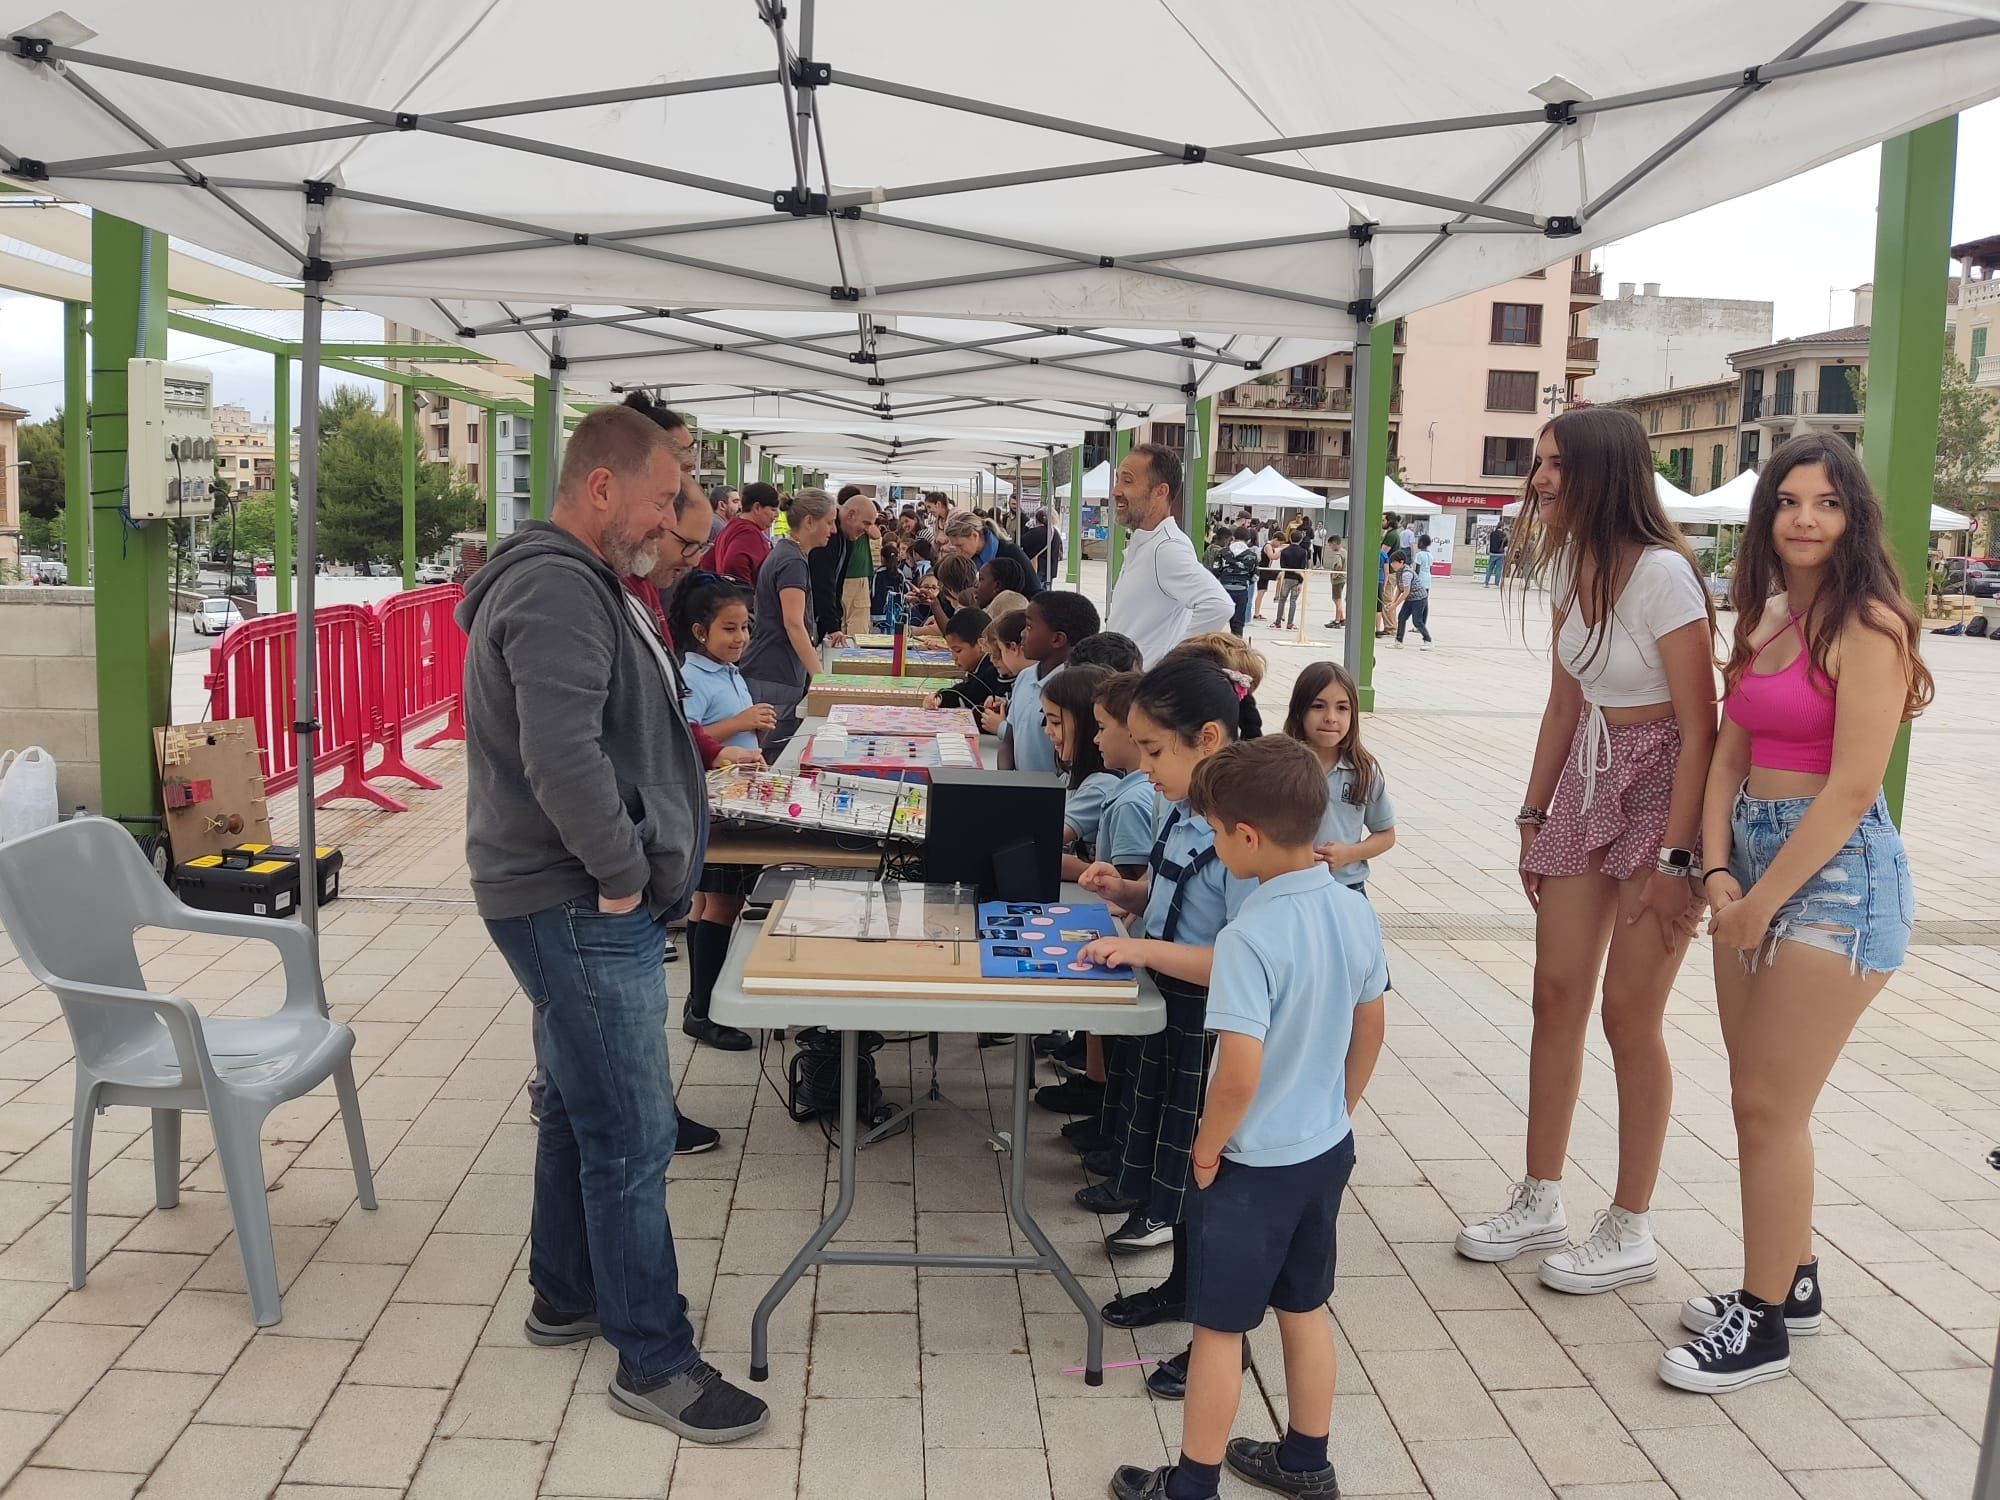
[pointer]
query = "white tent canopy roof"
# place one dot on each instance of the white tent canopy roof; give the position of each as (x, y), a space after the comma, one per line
(959, 481)
(1097, 482)
(1729, 505)
(654, 157)
(1230, 485)
(832, 443)
(1269, 487)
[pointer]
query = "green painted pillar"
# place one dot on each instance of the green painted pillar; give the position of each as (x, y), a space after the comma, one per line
(1905, 352)
(409, 407)
(1073, 541)
(489, 473)
(732, 461)
(1121, 448)
(281, 479)
(1198, 470)
(1368, 489)
(765, 469)
(541, 434)
(76, 442)
(133, 598)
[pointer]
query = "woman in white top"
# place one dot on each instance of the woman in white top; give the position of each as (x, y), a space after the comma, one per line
(1609, 828)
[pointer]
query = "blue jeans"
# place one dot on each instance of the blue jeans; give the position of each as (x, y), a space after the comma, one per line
(1239, 600)
(1860, 904)
(601, 1242)
(1493, 561)
(1416, 611)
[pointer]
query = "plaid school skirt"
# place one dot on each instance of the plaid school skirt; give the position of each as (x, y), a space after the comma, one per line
(1154, 1102)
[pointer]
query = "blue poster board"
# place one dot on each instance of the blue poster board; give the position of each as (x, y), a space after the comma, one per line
(1033, 940)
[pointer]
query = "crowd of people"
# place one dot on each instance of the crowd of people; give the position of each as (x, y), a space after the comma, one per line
(607, 666)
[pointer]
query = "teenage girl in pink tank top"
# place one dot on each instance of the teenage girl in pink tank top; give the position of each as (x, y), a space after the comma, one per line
(1807, 874)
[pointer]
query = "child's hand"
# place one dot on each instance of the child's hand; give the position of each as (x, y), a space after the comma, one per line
(1338, 856)
(760, 718)
(1101, 878)
(1112, 952)
(1204, 1175)
(729, 755)
(933, 700)
(992, 716)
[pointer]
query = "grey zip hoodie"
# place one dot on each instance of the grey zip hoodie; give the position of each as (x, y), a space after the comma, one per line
(582, 778)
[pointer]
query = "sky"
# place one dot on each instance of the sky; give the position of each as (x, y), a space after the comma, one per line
(1801, 244)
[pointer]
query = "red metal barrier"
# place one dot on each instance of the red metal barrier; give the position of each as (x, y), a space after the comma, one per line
(419, 673)
(252, 674)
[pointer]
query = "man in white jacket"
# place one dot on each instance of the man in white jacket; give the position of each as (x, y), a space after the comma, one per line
(1164, 595)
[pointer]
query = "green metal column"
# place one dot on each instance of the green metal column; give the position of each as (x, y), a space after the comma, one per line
(764, 467)
(76, 442)
(134, 664)
(1073, 541)
(489, 475)
(541, 434)
(1198, 427)
(1905, 352)
(1364, 505)
(281, 479)
(1121, 448)
(409, 406)
(732, 461)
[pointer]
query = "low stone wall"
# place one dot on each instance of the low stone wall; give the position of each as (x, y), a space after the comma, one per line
(48, 684)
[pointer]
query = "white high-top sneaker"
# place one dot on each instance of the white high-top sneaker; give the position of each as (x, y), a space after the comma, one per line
(1618, 1252)
(1532, 1220)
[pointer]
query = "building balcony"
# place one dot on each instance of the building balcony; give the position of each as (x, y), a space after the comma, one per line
(1586, 284)
(1298, 467)
(1583, 351)
(1787, 409)
(1299, 398)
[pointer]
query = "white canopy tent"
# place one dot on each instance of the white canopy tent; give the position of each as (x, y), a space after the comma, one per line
(1230, 485)
(1097, 482)
(1270, 489)
(1398, 501)
(736, 154)
(830, 443)
(1680, 506)
(965, 482)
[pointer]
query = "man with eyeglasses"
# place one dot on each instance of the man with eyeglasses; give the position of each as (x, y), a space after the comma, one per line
(586, 829)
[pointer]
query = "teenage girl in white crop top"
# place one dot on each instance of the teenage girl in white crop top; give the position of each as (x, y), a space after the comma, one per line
(1608, 829)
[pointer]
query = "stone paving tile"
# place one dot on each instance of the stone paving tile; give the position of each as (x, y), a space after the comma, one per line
(400, 1365)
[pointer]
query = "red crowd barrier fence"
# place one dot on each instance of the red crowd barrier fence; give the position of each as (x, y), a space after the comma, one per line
(253, 671)
(420, 674)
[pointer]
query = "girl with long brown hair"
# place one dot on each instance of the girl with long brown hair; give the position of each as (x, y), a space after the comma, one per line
(1360, 820)
(1808, 875)
(1608, 828)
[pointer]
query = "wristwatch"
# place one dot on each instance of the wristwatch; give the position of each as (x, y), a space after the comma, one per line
(1676, 862)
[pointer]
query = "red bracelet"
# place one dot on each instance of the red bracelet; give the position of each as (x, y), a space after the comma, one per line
(1206, 1166)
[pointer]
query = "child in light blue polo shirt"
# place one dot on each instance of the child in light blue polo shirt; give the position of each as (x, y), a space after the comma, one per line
(1295, 995)
(1131, 816)
(1056, 621)
(1360, 820)
(710, 621)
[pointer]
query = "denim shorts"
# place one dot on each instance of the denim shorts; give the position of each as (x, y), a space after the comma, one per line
(1860, 905)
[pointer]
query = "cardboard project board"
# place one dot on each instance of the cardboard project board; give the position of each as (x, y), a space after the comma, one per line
(213, 784)
(893, 756)
(886, 718)
(904, 692)
(870, 662)
(1026, 939)
(917, 971)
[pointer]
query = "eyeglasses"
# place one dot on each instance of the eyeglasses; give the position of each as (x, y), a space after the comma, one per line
(691, 548)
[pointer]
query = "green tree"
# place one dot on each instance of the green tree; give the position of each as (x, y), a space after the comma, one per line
(1968, 443)
(253, 531)
(361, 494)
(347, 401)
(42, 480)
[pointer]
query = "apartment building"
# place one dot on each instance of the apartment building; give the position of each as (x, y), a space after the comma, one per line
(11, 418)
(1694, 429)
(1648, 342)
(244, 455)
(1797, 385)
(1977, 342)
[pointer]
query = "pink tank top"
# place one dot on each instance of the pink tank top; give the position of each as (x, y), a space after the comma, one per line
(1788, 714)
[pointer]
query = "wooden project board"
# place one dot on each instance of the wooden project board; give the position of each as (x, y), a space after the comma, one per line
(856, 662)
(230, 809)
(914, 971)
(907, 692)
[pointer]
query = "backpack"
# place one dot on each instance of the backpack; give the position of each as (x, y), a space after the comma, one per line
(1236, 569)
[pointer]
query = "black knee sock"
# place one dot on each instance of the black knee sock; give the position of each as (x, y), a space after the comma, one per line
(1299, 1454)
(1174, 1288)
(708, 948)
(1193, 1481)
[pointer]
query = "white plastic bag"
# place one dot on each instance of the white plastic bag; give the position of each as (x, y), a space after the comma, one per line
(27, 792)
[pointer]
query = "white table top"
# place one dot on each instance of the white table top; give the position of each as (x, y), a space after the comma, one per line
(732, 1007)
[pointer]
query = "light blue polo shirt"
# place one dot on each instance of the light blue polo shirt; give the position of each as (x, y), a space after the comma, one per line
(1213, 893)
(1032, 748)
(716, 692)
(1297, 958)
(1083, 808)
(1130, 821)
(1346, 822)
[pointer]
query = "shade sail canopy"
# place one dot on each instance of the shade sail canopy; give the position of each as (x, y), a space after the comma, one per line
(828, 445)
(731, 154)
(956, 481)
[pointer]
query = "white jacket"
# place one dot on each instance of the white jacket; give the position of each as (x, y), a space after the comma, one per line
(1164, 595)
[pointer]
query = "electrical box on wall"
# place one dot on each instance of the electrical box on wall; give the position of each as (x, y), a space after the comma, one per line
(171, 455)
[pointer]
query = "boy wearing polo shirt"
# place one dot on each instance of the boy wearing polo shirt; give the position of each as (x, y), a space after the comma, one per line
(1296, 998)
(1057, 620)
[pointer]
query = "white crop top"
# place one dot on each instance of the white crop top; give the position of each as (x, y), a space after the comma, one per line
(1618, 664)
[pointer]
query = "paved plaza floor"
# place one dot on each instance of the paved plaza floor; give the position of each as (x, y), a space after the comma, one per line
(401, 1366)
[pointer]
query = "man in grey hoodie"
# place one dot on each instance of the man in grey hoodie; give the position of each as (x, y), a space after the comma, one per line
(586, 824)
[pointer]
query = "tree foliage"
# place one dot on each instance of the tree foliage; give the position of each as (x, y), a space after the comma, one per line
(347, 401)
(1968, 445)
(42, 480)
(361, 493)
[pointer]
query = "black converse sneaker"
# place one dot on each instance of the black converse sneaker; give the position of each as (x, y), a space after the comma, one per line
(1802, 1305)
(1748, 1345)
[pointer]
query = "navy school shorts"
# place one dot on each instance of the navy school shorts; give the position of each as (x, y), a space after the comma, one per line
(1263, 1237)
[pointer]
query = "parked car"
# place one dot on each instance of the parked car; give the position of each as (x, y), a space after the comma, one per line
(215, 616)
(433, 574)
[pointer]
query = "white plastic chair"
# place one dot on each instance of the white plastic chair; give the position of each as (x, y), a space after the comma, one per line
(70, 898)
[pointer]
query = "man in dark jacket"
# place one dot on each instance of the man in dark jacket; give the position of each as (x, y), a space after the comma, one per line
(843, 571)
(586, 824)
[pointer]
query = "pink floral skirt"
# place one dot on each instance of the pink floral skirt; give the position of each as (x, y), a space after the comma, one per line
(1610, 808)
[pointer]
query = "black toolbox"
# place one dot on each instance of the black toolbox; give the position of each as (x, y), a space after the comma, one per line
(254, 880)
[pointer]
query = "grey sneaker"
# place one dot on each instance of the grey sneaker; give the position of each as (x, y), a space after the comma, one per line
(550, 1329)
(696, 1403)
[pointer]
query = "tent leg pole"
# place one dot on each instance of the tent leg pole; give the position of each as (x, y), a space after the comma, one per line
(1356, 651)
(305, 711)
(1073, 525)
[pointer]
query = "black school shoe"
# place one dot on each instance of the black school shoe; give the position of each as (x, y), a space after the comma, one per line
(1749, 1345)
(1130, 1482)
(1168, 1378)
(691, 1137)
(1101, 1163)
(1257, 1461)
(1803, 1308)
(1078, 1096)
(1144, 1309)
(1100, 1198)
(1138, 1233)
(715, 1034)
